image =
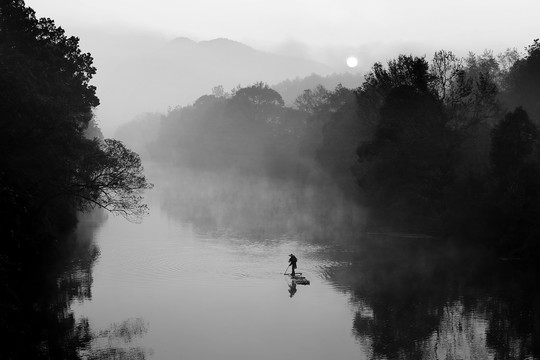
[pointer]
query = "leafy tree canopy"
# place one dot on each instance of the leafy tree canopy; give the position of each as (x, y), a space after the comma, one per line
(49, 167)
(259, 94)
(513, 140)
(523, 85)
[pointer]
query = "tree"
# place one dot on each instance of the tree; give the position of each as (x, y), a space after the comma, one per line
(219, 92)
(312, 101)
(514, 140)
(341, 129)
(516, 172)
(35, 49)
(405, 169)
(445, 68)
(523, 83)
(46, 106)
(405, 70)
(352, 115)
(259, 95)
(257, 104)
(106, 175)
(507, 60)
(472, 106)
(110, 176)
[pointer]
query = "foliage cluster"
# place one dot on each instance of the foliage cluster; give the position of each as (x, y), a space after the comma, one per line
(53, 160)
(447, 146)
(250, 130)
(453, 148)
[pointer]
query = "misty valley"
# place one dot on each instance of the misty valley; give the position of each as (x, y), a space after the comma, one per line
(410, 204)
(208, 282)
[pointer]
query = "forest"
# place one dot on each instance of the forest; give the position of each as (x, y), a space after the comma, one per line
(446, 147)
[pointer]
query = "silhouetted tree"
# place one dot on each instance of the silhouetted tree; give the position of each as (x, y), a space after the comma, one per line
(312, 101)
(259, 95)
(516, 171)
(405, 70)
(46, 104)
(445, 68)
(106, 175)
(341, 129)
(523, 83)
(405, 169)
(514, 140)
(354, 114)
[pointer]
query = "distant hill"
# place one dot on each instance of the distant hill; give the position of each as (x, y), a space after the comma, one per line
(182, 70)
(143, 128)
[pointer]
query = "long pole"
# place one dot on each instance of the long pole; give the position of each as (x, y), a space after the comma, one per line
(285, 273)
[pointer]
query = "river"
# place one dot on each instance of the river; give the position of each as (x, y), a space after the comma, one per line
(202, 277)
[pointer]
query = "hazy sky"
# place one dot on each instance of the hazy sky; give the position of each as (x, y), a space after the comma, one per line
(457, 25)
(116, 32)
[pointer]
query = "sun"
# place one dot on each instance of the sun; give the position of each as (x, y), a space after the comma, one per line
(352, 61)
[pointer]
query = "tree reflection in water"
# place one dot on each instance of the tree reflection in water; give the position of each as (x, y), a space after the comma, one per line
(113, 343)
(36, 320)
(418, 300)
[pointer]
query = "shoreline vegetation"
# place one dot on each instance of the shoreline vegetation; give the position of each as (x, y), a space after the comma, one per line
(55, 164)
(444, 151)
(54, 161)
(447, 147)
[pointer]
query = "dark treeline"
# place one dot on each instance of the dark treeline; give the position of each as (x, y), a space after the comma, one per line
(453, 147)
(250, 130)
(447, 146)
(54, 162)
(54, 159)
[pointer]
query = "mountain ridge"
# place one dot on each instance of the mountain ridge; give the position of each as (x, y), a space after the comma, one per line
(182, 70)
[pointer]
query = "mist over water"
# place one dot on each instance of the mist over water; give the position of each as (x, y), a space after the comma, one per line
(203, 277)
(258, 207)
(410, 194)
(209, 282)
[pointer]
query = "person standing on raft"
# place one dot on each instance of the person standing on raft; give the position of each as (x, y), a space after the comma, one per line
(292, 263)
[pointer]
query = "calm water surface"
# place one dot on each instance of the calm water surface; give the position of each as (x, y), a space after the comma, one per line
(216, 297)
(202, 278)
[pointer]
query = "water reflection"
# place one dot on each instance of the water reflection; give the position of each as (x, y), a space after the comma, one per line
(418, 300)
(116, 342)
(292, 289)
(294, 281)
(214, 275)
(414, 298)
(36, 319)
